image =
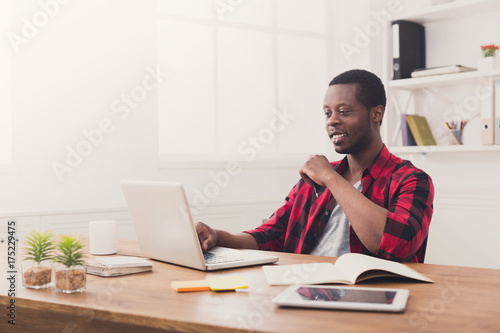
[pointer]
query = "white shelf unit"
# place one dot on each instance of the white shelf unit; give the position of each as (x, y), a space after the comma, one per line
(444, 80)
(440, 149)
(414, 86)
(450, 10)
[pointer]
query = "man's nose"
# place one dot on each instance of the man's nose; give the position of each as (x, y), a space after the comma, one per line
(334, 119)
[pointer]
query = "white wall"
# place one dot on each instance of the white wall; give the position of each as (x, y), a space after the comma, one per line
(66, 79)
(5, 88)
(231, 70)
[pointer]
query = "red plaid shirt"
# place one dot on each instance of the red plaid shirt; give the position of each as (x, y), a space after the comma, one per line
(390, 182)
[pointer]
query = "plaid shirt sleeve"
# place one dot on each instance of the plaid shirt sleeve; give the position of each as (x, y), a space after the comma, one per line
(410, 210)
(271, 235)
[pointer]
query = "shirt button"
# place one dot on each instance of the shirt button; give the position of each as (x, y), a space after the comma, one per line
(327, 213)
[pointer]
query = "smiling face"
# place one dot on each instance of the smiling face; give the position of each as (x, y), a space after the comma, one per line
(348, 122)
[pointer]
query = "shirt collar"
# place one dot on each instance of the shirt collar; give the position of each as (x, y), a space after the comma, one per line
(374, 169)
(378, 164)
(341, 166)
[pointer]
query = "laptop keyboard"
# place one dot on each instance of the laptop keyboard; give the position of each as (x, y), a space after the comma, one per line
(211, 258)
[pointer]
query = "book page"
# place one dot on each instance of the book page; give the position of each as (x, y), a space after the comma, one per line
(311, 273)
(354, 264)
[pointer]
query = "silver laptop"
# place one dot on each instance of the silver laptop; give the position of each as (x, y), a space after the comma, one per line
(165, 229)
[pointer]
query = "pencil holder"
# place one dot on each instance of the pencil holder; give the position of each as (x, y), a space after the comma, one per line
(455, 136)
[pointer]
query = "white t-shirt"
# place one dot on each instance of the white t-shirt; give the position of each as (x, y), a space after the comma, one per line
(334, 241)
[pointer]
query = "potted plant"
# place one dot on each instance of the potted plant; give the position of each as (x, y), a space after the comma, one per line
(489, 50)
(489, 60)
(69, 267)
(37, 265)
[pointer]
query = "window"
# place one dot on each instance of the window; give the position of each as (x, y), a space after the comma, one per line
(246, 79)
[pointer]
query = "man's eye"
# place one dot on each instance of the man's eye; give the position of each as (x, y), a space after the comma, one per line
(343, 111)
(327, 113)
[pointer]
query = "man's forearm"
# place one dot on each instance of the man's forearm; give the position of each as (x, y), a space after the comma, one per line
(239, 241)
(367, 218)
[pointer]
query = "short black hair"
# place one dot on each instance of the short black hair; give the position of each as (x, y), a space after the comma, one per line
(370, 90)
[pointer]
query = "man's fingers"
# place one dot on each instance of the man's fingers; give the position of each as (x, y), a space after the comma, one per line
(200, 230)
(208, 243)
(206, 235)
(205, 240)
(203, 234)
(306, 178)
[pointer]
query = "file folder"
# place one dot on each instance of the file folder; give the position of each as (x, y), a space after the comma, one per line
(408, 46)
(497, 112)
(487, 115)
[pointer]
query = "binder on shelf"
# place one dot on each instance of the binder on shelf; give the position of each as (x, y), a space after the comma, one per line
(408, 139)
(497, 112)
(420, 130)
(487, 115)
(408, 46)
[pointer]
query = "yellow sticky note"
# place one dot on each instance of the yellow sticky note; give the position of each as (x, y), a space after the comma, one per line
(227, 283)
(195, 285)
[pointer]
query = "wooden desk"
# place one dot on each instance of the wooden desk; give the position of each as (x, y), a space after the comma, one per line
(462, 300)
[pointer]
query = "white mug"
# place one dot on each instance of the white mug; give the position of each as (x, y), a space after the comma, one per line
(103, 237)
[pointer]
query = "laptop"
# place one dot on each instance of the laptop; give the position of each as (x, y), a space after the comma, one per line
(166, 232)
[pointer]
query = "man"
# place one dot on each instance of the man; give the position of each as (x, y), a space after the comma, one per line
(371, 202)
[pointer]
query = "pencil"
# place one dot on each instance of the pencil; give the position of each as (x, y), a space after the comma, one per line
(453, 135)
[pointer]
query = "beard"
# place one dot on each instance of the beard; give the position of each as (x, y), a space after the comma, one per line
(361, 142)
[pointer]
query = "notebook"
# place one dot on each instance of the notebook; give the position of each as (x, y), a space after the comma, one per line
(165, 230)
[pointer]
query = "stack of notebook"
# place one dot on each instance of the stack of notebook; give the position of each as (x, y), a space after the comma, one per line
(441, 70)
(118, 265)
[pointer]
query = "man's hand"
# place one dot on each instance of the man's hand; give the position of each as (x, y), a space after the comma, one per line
(207, 236)
(316, 170)
(210, 237)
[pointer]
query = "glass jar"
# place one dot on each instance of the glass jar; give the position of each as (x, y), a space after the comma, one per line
(70, 279)
(36, 275)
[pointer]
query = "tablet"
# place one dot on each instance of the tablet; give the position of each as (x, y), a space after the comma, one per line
(346, 298)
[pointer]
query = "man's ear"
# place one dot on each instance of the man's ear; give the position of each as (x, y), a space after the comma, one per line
(377, 113)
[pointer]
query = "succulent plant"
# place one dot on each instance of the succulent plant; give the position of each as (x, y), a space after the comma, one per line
(70, 251)
(40, 246)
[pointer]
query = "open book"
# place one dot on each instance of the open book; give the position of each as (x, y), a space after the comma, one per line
(350, 268)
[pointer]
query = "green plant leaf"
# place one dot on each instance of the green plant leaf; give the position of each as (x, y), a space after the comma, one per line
(70, 250)
(39, 246)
